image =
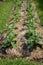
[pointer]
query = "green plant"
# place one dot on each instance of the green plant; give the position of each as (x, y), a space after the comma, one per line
(7, 43)
(32, 34)
(18, 62)
(10, 35)
(9, 39)
(14, 45)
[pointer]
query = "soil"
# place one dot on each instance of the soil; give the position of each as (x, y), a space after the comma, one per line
(37, 53)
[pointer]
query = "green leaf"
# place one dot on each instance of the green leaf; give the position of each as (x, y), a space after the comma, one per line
(14, 45)
(7, 43)
(31, 46)
(40, 42)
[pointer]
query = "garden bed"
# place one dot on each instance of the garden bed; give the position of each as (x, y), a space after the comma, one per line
(22, 38)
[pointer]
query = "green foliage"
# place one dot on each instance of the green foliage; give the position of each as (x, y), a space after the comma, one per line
(18, 62)
(33, 36)
(39, 8)
(10, 28)
(5, 10)
(14, 45)
(11, 35)
(7, 43)
(9, 40)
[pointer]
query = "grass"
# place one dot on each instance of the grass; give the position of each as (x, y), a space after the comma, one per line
(5, 10)
(39, 7)
(19, 62)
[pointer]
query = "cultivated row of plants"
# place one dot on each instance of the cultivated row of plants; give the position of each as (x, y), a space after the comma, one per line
(11, 35)
(33, 37)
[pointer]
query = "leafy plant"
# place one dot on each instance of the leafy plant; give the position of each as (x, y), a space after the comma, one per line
(14, 45)
(11, 35)
(7, 43)
(33, 36)
(9, 40)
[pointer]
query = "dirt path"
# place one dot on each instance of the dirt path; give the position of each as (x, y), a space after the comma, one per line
(21, 28)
